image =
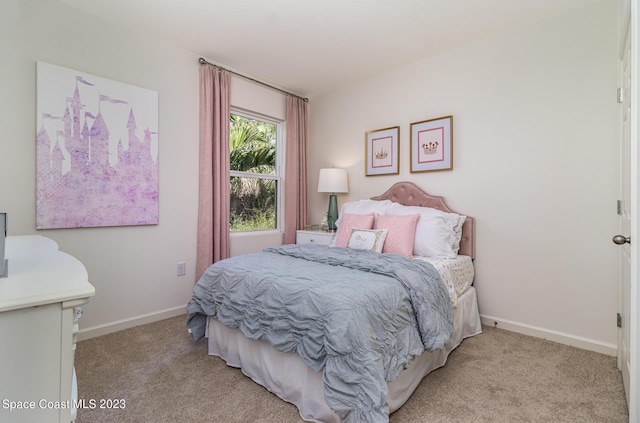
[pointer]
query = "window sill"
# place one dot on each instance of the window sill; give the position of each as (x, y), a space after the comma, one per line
(245, 234)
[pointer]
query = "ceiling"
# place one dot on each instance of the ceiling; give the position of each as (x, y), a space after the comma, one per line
(310, 47)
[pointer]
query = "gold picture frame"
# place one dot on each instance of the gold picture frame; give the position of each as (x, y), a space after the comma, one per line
(431, 145)
(382, 151)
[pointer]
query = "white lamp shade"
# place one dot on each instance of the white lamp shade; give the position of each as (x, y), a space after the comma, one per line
(333, 180)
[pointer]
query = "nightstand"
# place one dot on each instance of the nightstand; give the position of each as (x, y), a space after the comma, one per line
(314, 237)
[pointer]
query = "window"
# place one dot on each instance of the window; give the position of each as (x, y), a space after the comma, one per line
(255, 172)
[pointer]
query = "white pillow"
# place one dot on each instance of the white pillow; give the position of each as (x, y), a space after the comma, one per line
(367, 239)
(364, 207)
(438, 233)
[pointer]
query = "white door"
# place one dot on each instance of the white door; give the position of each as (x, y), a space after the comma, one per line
(627, 207)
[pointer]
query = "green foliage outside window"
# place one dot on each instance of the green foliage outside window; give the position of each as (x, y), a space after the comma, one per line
(252, 150)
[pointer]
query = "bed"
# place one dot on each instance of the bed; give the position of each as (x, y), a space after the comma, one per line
(374, 368)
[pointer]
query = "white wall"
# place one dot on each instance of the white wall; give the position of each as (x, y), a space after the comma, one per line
(132, 268)
(535, 154)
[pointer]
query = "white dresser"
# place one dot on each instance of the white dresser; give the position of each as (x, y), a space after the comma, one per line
(39, 311)
(314, 237)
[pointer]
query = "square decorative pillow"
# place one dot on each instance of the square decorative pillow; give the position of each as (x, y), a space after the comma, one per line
(350, 221)
(367, 239)
(438, 233)
(401, 235)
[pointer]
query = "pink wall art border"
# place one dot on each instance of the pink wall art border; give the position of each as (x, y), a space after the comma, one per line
(96, 151)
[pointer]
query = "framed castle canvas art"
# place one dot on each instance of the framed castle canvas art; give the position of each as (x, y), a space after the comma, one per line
(96, 151)
(432, 145)
(382, 155)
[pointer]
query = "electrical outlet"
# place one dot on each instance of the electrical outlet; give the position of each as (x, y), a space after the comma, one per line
(181, 268)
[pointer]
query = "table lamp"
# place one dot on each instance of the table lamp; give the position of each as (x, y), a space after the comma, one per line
(334, 181)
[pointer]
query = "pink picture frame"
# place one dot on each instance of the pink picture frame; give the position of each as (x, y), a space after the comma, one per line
(432, 145)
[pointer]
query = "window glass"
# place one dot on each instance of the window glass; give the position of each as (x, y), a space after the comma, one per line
(253, 145)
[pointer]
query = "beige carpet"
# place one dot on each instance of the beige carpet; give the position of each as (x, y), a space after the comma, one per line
(498, 376)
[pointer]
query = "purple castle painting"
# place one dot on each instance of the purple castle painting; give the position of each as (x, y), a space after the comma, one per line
(96, 151)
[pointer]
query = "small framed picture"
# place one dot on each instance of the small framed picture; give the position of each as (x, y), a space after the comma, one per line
(382, 155)
(432, 145)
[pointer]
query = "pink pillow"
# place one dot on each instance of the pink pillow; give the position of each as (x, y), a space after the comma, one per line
(350, 221)
(401, 235)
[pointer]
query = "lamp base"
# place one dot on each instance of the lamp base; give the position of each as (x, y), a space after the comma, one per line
(332, 214)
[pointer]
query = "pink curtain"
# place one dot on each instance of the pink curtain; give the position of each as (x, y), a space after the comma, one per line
(213, 210)
(295, 190)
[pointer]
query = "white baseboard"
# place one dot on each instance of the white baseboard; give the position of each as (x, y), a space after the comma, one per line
(119, 325)
(562, 338)
(551, 335)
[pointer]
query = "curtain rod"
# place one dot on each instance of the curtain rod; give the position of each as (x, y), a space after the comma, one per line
(202, 61)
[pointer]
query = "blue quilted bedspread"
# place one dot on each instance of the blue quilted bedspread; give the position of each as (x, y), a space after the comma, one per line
(357, 317)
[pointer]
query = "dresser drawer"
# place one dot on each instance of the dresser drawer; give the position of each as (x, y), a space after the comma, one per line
(314, 237)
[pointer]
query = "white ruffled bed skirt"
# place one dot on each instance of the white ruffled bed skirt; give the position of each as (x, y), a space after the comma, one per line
(287, 376)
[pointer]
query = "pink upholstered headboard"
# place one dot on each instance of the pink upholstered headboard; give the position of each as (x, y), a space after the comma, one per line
(409, 194)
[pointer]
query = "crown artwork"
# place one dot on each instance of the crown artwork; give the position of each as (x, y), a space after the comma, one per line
(430, 147)
(382, 153)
